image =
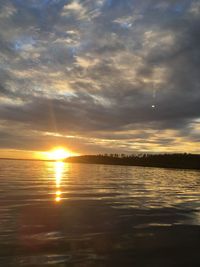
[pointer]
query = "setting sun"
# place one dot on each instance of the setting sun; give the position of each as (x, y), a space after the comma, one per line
(56, 154)
(59, 154)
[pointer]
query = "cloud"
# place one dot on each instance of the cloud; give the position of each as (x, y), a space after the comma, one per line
(95, 69)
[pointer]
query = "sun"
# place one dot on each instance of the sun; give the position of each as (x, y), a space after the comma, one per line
(58, 154)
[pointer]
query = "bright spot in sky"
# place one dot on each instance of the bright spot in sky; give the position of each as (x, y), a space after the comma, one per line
(58, 154)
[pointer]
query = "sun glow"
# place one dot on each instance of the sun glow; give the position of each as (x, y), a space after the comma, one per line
(58, 154)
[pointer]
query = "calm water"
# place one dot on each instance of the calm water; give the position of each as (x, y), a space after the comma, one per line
(60, 214)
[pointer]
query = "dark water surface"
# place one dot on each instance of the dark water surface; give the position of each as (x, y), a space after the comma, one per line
(60, 214)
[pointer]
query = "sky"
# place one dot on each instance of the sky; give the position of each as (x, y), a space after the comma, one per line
(99, 76)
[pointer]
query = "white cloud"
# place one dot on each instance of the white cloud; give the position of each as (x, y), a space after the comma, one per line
(195, 9)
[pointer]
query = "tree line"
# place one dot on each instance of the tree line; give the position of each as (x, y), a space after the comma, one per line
(180, 161)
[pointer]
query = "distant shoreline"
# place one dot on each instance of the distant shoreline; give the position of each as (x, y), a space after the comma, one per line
(169, 161)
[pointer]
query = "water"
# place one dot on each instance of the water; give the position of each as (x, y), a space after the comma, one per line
(60, 214)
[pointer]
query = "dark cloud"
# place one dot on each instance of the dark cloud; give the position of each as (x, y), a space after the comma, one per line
(102, 69)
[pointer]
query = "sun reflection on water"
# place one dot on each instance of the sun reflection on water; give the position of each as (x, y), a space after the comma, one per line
(59, 168)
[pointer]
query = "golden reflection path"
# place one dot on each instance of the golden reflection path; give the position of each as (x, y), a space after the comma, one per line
(59, 168)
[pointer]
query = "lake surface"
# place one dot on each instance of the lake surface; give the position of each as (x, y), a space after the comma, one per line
(61, 214)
